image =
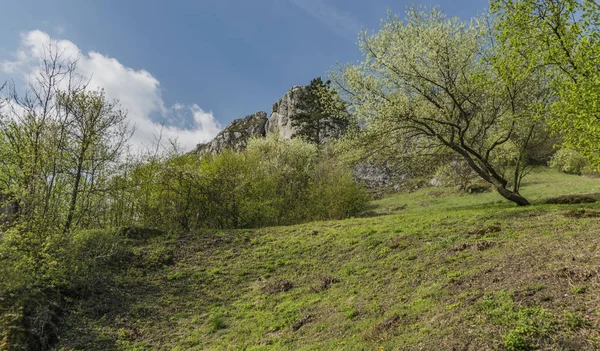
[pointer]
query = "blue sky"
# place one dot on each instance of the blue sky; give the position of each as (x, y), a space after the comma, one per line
(220, 59)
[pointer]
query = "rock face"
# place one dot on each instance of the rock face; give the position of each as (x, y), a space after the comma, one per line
(236, 135)
(378, 177)
(280, 121)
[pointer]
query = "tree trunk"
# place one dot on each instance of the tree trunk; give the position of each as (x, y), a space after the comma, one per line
(513, 196)
(74, 195)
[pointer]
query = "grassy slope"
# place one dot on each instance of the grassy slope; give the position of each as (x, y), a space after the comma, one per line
(439, 270)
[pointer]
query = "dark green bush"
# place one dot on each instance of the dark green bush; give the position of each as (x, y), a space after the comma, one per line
(273, 182)
(40, 268)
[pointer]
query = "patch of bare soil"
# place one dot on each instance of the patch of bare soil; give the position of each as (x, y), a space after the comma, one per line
(582, 213)
(301, 322)
(485, 230)
(278, 286)
(379, 331)
(325, 282)
(559, 274)
(571, 200)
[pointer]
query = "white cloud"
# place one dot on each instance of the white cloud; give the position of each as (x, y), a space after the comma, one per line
(137, 90)
(341, 23)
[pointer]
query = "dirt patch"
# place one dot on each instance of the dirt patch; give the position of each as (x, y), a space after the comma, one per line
(478, 188)
(325, 282)
(301, 322)
(382, 328)
(480, 245)
(484, 245)
(580, 274)
(460, 247)
(571, 200)
(582, 213)
(485, 230)
(398, 208)
(398, 243)
(278, 286)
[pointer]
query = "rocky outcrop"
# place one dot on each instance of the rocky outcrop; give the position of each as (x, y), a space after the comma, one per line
(282, 114)
(378, 177)
(236, 135)
(281, 123)
(281, 120)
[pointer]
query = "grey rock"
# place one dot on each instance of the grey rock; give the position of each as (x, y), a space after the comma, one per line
(436, 183)
(378, 177)
(280, 121)
(236, 135)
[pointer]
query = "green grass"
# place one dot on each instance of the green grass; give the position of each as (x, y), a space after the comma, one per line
(432, 269)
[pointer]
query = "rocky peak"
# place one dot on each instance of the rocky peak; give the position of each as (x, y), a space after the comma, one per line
(236, 135)
(283, 111)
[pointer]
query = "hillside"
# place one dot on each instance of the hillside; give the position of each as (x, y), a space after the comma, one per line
(428, 270)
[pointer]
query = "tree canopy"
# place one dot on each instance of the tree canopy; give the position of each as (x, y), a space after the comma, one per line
(435, 84)
(561, 36)
(321, 114)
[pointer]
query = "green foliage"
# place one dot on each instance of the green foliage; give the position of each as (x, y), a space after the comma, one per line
(456, 173)
(321, 114)
(40, 267)
(273, 182)
(524, 324)
(407, 263)
(562, 39)
(217, 322)
(433, 85)
(568, 161)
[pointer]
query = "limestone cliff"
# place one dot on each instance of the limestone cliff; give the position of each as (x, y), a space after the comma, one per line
(236, 135)
(282, 114)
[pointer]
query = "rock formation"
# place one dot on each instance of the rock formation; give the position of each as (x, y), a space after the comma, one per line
(282, 115)
(281, 120)
(236, 135)
(378, 177)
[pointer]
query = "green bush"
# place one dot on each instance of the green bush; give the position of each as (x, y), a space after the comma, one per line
(568, 161)
(39, 267)
(273, 182)
(456, 173)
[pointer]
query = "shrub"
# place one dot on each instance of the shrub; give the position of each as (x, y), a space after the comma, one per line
(273, 182)
(40, 266)
(568, 161)
(456, 173)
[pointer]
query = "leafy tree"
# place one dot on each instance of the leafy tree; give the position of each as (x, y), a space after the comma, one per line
(430, 85)
(98, 133)
(321, 114)
(33, 134)
(563, 37)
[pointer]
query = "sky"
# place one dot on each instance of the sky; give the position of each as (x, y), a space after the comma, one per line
(193, 66)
